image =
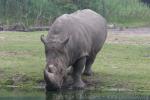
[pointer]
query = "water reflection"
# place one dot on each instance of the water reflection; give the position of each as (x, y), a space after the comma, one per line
(66, 95)
(15, 94)
(95, 95)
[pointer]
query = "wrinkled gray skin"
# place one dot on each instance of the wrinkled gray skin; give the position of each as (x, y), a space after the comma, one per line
(73, 40)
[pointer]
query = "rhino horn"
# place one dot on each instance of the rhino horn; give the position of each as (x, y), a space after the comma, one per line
(43, 40)
(49, 75)
(52, 68)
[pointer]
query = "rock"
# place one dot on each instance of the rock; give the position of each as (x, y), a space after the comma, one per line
(43, 28)
(18, 27)
(1, 28)
(15, 27)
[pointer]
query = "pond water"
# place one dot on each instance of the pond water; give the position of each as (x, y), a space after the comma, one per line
(15, 94)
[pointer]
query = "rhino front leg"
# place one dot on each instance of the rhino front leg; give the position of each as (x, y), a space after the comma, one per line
(70, 70)
(77, 72)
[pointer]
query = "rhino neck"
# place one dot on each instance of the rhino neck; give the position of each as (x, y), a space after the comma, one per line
(66, 58)
(69, 56)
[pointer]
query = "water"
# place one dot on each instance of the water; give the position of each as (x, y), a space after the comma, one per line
(15, 94)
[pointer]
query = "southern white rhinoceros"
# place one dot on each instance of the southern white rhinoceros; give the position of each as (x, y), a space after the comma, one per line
(73, 40)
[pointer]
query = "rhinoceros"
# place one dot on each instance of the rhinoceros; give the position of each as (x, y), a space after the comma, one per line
(73, 40)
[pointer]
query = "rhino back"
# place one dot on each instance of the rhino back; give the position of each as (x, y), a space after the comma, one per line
(86, 31)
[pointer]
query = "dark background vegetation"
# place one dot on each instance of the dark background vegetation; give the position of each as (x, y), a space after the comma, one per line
(43, 12)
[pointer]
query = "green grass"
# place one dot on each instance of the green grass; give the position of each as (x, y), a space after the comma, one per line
(117, 66)
(124, 66)
(22, 56)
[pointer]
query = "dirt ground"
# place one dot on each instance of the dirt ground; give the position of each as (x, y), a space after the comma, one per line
(129, 36)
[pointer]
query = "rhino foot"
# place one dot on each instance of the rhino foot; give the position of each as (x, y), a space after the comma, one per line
(88, 73)
(78, 85)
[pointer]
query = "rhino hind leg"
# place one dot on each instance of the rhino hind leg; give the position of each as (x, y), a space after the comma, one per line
(77, 72)
(89, 62)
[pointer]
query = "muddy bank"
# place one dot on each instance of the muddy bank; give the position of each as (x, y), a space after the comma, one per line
(92, 82)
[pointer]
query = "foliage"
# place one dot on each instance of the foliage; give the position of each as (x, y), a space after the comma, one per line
(43, 12)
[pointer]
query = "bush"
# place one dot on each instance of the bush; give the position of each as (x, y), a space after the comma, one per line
(43, 12)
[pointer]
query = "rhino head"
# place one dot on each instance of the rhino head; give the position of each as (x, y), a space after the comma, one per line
(55, 69)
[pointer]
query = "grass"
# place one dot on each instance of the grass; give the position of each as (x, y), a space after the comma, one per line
(124, 66)
(127, 13)
(22, 58)
(118, 65)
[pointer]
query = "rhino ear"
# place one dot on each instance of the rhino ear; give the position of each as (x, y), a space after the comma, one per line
(65, 41)
(43, 40)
